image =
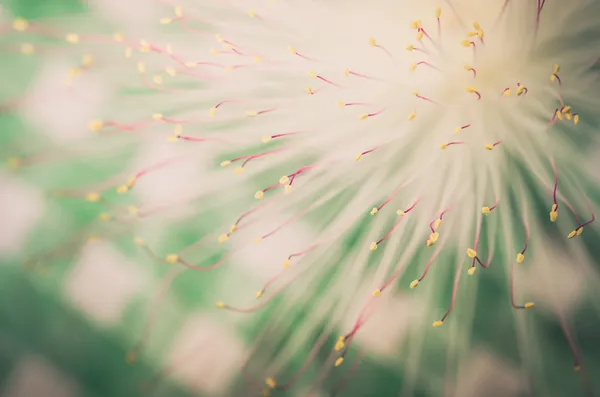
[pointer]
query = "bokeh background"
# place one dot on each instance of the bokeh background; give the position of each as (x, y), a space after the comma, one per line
(67, 322)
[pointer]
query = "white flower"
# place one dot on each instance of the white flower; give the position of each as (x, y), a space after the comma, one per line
(401, 133)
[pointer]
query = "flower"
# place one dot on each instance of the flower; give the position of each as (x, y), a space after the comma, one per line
(403, 136)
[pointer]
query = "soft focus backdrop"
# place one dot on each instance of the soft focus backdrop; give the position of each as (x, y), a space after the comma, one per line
(68, 323)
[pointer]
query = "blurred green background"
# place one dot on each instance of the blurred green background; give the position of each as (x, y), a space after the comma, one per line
(37, 324)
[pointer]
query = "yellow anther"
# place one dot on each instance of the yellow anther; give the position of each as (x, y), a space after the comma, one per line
(13, 162)
(284, 179)
(520, 90)
(27, 49)
(434, 236)
(118, 36)
(465, 43)
(579, 231)
(556, 69)
(374, 211)
(429, 243)
(165, 21)
(341, 104)
(339, 345)
(223, 238)
(271, 383)
(457, 130)
(157, 116)
(554, 207)
(312, 74)
(438, 12)
(172, 258)
(287, 189)
(410, 47)
(259, 294)
(415, 92)
(400, 213)
(104, 216)
(238, 170)
(95, 125)
(419, 35)
(190, 65)
(214, 51)
(443, 146)
(266, 139)
(346, 72)
(412, 67)
(171, 72)
(292, 50)
(139, 241)
(576, 119)
(257, 59)
(566, 109)
(552, 78)
(577, 368)
(520, 257)
(476, 25)
(414, 24)
(529, 305)
(72, 38)
(122, 189)
(471, 270)
(568, 116)
(485, 210)
(220, 305)
(377, 292)
(507, 92)
(471, 90)
(489, 147)
(258, 240)
(251, 13)
(438, 323)
(225, 163)
(437, 223)
(259, 195)
(212, 111)
(363, 116)
(559, 115)
(471, 253)
(251, 114)
(480, 33)
(141, 67)
(92, 197)
(309, 91)
(266, 393)
(412, 116)
(179, 11)
(20, 25)
(86, 61)
(414, 283)
(373, 246)
(572, 234)
(133, 210)
(232, 228)
(418, 24)
(339, 361)
(372, 42)
(157, 79)
(286, 263)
